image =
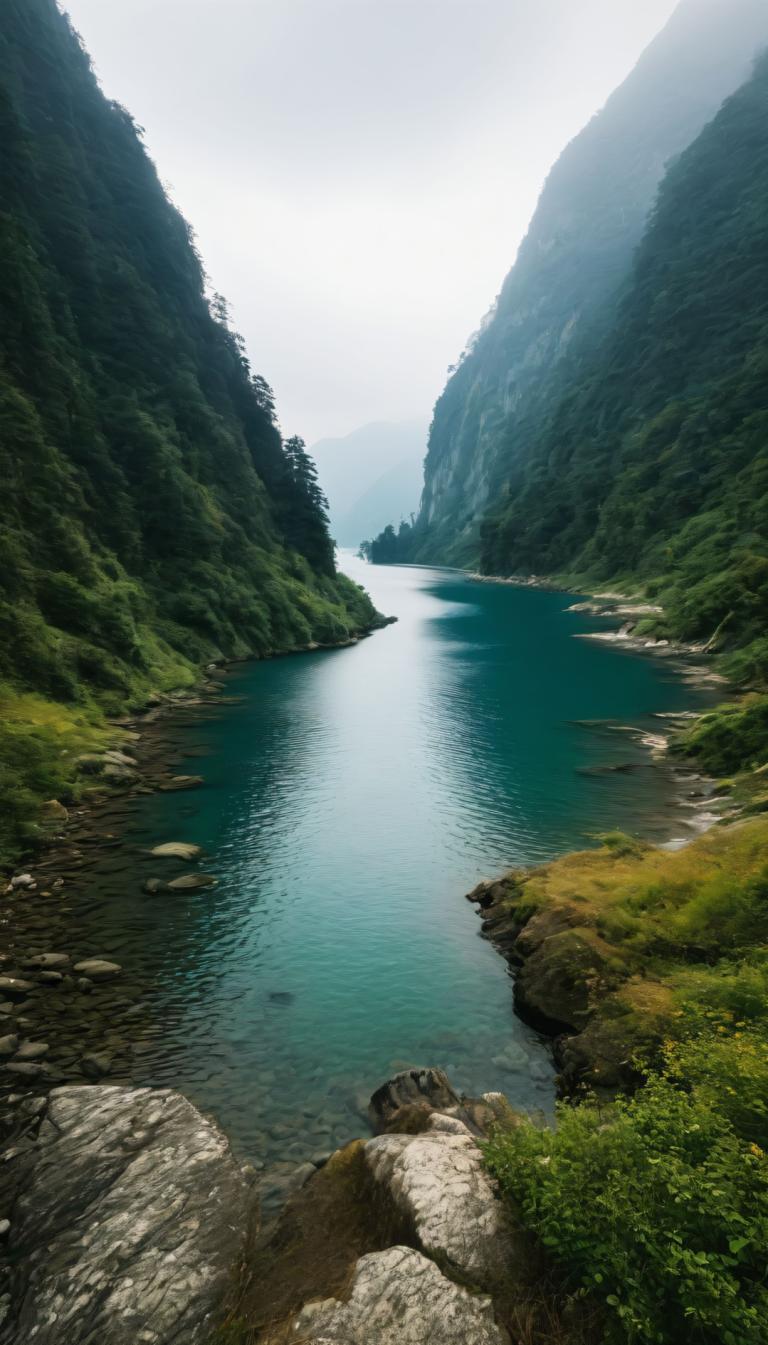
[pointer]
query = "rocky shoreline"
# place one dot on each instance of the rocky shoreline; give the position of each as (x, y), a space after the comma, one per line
(128, 1219)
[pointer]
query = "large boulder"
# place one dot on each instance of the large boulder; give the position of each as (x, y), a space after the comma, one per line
(438, 1183)
(398, 1297)
(128, 1215)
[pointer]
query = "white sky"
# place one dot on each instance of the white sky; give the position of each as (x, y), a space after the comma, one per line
(359, 173)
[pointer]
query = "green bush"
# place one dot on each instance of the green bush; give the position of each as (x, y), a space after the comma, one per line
(654, 1206)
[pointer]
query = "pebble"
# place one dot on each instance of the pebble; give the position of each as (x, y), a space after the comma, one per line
(48, 961)
(13, 986)
(189, 881)
(177, 850)
(96, 969)
(26, 1069)
(9, 1044)
(96, 1065)
(33, 1050)
(84, 985)
(50, 978)
(22, 881)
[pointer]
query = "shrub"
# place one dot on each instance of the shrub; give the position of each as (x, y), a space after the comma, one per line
(654, 1206)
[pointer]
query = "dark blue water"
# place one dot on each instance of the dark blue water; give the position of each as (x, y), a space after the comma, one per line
(350, 802)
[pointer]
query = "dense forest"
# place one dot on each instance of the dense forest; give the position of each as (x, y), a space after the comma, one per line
(153, 517)
(653, 463)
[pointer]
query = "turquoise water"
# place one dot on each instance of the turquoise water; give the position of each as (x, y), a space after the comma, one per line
(350, 802)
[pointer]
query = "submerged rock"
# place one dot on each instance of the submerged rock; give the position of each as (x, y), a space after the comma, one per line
(177, 850)
(47, 961)
(398, 1297)
(189, 882)
(97, 969)
(129, 1216)
(14, 987)
(181, 782)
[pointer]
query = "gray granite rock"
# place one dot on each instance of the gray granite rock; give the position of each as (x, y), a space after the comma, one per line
(398, 1297)
(438, 1181)
(127, 1215)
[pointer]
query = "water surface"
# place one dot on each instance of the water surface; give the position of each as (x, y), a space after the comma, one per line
(350, 801)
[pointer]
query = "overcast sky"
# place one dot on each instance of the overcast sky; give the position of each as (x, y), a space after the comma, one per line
(359, 173)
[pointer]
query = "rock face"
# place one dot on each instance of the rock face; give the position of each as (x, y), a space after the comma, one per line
(398, 1297)
(437, 1181)
(128, 1216)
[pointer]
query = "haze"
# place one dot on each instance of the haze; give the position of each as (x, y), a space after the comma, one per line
(359, 173)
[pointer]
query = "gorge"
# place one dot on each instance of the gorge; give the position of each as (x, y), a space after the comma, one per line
(262, 1077)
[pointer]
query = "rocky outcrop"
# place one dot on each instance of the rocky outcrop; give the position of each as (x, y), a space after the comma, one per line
(573, 984)
(438, 1183)
(127, 1220)
(398, 1297)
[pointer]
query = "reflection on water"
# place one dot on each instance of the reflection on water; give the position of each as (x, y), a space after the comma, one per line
(349, 803)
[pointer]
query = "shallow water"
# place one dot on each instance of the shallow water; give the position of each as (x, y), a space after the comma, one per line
(350, 801)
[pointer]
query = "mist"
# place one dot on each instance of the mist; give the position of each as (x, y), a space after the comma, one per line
(359, 174)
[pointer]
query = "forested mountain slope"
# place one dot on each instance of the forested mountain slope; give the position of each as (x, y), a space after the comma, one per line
(150, 512)
(654, 461)
(589, 220)
(152, 516)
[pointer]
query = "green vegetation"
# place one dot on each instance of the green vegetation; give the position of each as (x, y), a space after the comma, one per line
(652, 462)
(654, 1203)
(656, 1206)
(153, 518)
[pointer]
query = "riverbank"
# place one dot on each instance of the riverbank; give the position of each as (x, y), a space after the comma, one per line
(617, 949)
(49, 749)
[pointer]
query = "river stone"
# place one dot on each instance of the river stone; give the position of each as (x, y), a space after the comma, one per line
(96, 1065)
(47, 961)
(188, 882)
(182, 782)
(97, 969)
(33, 1050)
(398, 1297)
(177, 850)
(129, 1217)
(438, 1181)
(22, 882)
(14, 987)
(9, 1045)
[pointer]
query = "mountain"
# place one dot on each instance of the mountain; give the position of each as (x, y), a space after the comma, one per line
(653, 461)
(370, 476)
(562, 289)
(152, 516)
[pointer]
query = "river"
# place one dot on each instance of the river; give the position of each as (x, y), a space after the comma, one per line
(350, 801)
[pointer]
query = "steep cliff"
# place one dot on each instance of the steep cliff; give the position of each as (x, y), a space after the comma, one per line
(653, 462)
(589, 220)
(153, 518)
